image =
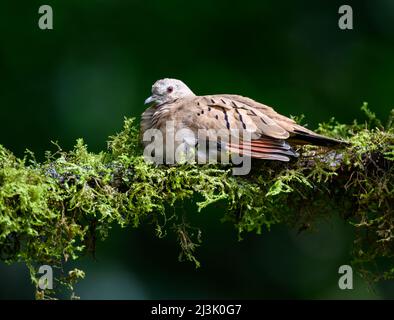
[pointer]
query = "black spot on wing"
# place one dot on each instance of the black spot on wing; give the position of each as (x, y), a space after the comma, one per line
(263, 120)
(241, 119)
(226, 119)
(253, 113)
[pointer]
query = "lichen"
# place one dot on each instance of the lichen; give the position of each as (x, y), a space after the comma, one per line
(55, 211)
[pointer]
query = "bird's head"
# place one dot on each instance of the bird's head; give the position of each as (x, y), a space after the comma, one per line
(168, 90)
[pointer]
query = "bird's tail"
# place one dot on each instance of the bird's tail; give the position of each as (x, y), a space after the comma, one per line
(302, 137)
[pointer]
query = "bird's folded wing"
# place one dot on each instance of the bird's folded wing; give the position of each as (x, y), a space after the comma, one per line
(224, 112)
(298, 134)
(241, 115)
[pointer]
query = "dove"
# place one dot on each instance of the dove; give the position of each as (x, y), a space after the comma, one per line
(272, 136)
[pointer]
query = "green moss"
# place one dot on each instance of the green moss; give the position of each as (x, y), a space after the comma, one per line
(55, 211)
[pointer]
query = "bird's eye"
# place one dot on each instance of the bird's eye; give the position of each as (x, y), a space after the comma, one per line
(170, 89)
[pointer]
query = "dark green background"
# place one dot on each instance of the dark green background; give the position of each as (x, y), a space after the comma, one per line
(98, 65)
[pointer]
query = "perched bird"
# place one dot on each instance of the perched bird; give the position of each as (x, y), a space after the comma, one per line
(272, 135)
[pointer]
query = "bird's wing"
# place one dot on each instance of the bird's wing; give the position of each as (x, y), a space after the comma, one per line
(287, 124)
(297, 133)
(225, 112)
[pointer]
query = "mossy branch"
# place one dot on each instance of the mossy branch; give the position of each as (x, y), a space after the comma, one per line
(54, 211)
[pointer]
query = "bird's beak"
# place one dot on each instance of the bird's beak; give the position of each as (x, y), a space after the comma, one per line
(150, 100)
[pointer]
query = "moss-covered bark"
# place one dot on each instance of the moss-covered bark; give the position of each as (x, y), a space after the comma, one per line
(54, 211)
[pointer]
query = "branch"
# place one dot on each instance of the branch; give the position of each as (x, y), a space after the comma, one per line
(54, 211)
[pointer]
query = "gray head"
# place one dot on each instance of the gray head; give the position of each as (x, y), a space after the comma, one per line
(168, 90)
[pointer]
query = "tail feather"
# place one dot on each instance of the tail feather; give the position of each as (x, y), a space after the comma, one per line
(315, 139)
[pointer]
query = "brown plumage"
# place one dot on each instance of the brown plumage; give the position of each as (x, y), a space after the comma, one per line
(272, 134)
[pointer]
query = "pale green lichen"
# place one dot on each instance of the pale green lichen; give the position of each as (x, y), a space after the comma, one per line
(55, 211)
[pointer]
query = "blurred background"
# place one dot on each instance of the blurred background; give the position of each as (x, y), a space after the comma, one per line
(98, 64)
